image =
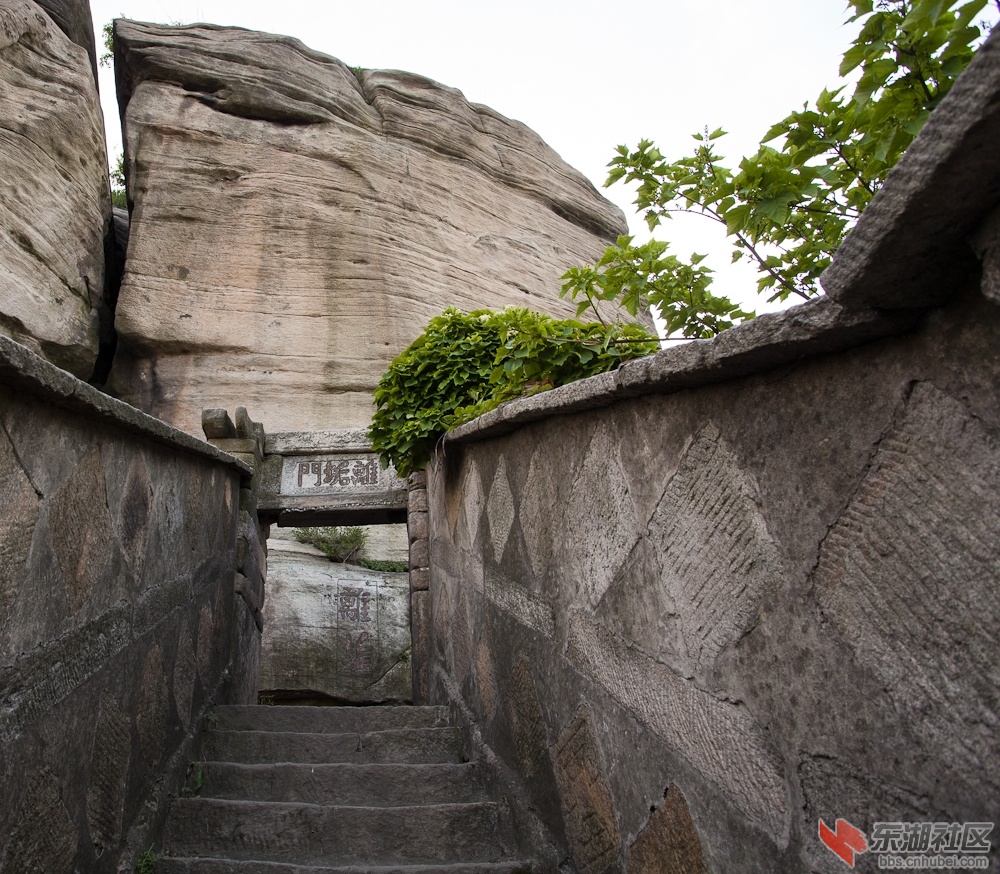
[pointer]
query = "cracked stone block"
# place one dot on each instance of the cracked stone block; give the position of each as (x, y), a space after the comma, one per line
(907, 575)
(708, 545)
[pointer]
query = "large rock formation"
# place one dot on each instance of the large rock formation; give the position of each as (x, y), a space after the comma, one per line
(296, 223)
(54, 201)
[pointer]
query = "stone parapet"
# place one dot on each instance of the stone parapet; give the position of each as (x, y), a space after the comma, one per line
(119, 624)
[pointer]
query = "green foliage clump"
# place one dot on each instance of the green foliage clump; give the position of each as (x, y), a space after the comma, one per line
(108, 40)
(339, 543)
(788, 207)
(383, 565)
(117, 176)
(146, 863)
(359, 74)
(465, 364)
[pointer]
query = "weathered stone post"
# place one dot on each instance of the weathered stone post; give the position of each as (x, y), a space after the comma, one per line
(245, 440)
(420, 575)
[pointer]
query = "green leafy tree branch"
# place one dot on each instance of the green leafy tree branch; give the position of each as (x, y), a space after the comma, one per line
(789, 206)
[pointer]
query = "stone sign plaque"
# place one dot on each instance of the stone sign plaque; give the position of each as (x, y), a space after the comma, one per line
(355, 474)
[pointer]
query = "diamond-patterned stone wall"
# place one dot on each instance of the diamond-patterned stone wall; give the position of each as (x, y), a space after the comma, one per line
(116, 616)
(696, 623)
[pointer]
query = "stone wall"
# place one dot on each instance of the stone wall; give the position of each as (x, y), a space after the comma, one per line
(759, 602)
(119, 621)
(696, 605)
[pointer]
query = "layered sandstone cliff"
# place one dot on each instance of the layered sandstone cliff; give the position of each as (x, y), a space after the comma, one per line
(55, 205)
(296, 223)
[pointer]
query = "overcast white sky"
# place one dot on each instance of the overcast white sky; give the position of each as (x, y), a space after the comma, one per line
(586, 75)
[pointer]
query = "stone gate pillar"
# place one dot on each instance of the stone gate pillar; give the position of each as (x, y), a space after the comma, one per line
(420, 605)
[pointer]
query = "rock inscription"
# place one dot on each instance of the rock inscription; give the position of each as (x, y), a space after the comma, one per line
(336, 475)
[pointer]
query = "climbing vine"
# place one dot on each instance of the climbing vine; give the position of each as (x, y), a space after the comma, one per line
(465, 364)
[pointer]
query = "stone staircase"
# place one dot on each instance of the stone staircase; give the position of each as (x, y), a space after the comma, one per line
(331, 790)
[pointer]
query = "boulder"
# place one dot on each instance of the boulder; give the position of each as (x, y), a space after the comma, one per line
(333, 632)
(54, 199)
(297, 222)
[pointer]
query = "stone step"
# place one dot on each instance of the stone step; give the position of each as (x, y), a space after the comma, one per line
(377, 785)
(331, 835)
(229, 866)
(405, 746)
(327, 719)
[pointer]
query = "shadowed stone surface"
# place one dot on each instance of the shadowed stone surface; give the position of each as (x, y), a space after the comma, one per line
(298, 227)
(289, 831)
(223, 866)
(109, 770)
(588, 807)
(378, 785)
(151, 719)
(134, 513)
(329, 719)
(55, 204)
(18, 514)
(410, 745)
(185, 674)
(50, 848)
(78, 513)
